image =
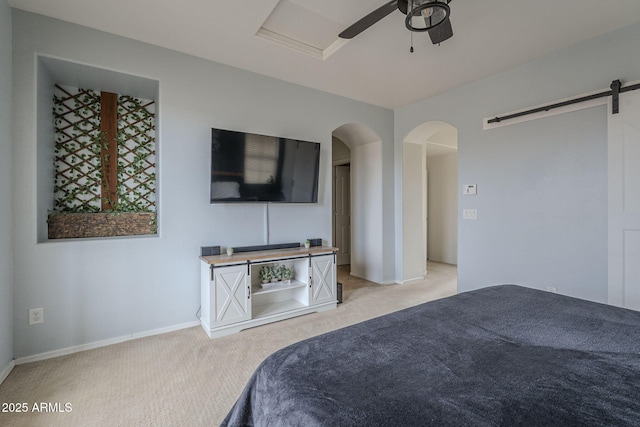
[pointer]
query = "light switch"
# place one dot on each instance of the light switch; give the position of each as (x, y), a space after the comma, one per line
(469, 189)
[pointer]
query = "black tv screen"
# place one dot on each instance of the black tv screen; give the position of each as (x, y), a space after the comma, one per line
(247, 167)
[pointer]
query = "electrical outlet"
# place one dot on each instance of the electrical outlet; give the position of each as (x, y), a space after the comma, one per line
(469, 214)
(552, 289)
(36, 315)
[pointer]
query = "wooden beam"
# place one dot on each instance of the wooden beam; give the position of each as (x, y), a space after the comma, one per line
(109, 149)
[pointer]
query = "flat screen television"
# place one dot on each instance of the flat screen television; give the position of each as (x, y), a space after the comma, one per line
(247, 167)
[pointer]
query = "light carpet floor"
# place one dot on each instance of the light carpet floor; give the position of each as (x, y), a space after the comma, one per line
(183, 378)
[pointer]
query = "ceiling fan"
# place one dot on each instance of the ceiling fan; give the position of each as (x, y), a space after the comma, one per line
(422, 15)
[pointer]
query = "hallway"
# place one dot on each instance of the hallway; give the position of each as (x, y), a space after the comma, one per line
(440, 275)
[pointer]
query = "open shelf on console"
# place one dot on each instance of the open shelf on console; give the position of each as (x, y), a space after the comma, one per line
(276, 308)
(257, 289)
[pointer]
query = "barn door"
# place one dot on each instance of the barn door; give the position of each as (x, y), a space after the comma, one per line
(624, 203)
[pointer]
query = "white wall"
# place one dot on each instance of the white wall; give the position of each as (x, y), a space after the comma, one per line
(367, 209)
(6, 238)
(413, 175)
(542, 185)
(443, 207)
(95, 290)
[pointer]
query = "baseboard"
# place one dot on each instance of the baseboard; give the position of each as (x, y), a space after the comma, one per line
(389, 282)
(6, 371)
(90, 346)
(410, 281)
(351, 273)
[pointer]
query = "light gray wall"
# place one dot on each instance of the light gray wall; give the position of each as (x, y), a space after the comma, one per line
(6, 238)
(96, 290)
(542, 185)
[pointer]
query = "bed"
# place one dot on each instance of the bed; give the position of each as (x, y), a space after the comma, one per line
(503, 355)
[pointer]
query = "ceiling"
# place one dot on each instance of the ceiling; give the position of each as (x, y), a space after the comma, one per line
(296, 40)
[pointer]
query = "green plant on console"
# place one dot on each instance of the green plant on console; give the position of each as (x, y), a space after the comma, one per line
(266, 273)
(286, 273)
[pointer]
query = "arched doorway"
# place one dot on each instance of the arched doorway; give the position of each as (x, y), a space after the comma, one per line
(429, 194)
(365, 200)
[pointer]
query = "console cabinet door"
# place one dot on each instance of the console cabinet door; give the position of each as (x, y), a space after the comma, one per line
(231, 295)
(323, 279)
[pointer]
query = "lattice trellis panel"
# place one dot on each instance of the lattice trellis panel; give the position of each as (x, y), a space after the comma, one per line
(136, 154)
(78, 176)
(76, 114)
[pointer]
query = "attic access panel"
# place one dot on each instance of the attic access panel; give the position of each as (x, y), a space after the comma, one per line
(296, 26)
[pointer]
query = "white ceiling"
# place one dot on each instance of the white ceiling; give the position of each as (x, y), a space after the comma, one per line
(376, 66)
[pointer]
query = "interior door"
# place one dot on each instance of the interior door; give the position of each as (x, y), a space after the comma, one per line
(342, 206)
(624, 203)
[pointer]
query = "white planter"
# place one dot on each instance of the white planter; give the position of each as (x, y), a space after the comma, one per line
(269, 285)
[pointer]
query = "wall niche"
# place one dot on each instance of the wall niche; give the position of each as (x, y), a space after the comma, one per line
(97, 152)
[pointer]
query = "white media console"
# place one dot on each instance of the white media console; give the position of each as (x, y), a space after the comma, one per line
(233, 297)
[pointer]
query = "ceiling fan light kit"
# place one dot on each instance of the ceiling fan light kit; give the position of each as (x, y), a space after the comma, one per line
(434, 13)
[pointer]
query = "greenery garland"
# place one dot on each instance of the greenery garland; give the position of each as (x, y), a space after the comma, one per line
(78, 148)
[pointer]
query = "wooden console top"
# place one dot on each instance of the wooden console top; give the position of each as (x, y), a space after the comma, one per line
(265, 255)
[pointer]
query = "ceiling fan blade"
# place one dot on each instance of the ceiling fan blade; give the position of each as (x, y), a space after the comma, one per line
(403, 5)
(369, 20)
(441, 33)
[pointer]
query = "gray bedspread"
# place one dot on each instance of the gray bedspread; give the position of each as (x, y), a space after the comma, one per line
(499, 356)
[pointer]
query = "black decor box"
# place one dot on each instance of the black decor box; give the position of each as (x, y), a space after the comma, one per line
(209, 250)
(315, 242)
